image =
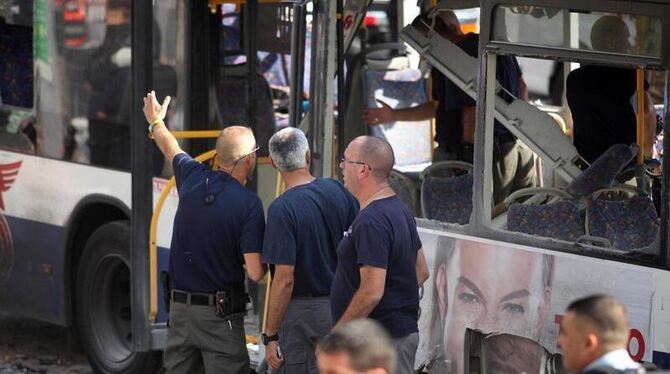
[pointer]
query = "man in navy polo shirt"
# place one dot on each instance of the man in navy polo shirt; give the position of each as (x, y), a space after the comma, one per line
(218, 228)
(304, 226)
(381, 264)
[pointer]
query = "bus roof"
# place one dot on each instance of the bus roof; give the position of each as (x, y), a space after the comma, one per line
(570, 30)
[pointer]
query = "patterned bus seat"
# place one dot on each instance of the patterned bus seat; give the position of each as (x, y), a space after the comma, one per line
(559, 220)
(603, 171)
(447, 199)
(406, 189)
(627, 224)
(411, 141)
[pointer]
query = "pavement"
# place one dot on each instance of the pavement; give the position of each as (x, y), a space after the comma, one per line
(28, 346)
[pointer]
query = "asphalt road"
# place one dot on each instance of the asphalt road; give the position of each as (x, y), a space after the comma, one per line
(28, 346)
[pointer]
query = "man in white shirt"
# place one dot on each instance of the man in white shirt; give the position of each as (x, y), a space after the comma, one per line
(594, 335)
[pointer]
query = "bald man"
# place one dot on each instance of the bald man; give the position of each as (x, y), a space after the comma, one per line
(594, 336)
(381, 264)
(218, 228)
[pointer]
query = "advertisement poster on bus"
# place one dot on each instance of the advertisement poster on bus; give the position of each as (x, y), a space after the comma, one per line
(499, 287)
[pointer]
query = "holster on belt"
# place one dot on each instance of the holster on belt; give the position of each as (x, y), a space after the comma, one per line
(231, 300)
(165, 281)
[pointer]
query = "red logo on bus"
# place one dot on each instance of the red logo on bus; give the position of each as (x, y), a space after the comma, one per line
(8, 174)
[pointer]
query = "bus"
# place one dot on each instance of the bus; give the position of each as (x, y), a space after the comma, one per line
(87, 203)
(503, 273)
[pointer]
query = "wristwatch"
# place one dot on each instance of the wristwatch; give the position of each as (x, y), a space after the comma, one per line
(266, 339)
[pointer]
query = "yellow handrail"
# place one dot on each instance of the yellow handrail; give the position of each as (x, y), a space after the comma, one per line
(640, 116)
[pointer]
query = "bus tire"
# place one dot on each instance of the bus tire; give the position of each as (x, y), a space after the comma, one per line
(103, 314)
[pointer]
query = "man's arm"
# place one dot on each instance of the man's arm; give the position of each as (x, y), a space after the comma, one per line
(155, 113)
(367, 296)
(422, 272)
(523, 89)
(280, 295)
(255, 268)
(386, 114)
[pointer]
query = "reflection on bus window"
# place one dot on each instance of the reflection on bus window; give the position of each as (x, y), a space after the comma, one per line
(16, 65)
(513, 24)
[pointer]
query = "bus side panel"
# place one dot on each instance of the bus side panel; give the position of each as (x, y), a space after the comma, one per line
(501, 287)
(34, 287)
(37, 198)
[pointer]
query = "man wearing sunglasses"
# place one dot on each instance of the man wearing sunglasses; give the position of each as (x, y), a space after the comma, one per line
(304, 226)
(380, 260)
(218, 228)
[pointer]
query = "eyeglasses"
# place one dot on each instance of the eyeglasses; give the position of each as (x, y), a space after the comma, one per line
(256, 148)
(356, 162)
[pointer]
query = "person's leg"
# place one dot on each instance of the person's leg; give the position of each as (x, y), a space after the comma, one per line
(525, 172)
(180, 355)
(222, 341)
(405, 348)
(305, 323)
(505, 161)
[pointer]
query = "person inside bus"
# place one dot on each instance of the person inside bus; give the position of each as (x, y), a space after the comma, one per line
(380, 259)
(601, 97)
(593, 337)
(360, 346)
(218, 228)
(108, 77)
(484, 294)
(304, 227)
(454, 111)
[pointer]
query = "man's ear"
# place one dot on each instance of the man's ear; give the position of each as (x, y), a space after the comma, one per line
(591, 342)
(272, 162)
(308, 157)
(441, 284)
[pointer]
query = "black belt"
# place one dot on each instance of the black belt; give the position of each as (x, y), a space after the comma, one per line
(193, 298)
(308, 296)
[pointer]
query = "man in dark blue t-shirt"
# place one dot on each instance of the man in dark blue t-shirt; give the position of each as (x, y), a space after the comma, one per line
(381, 264)
(304, 227)
(218, 228)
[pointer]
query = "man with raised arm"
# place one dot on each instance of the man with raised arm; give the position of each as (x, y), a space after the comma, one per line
(594, 336)
(304, 226)
(218, 228)
(381, 264)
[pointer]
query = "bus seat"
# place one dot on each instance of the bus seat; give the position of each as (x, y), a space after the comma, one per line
(559, 220)
(406, 189)
(447, 199)
(446, 169)
(604, 170)
(411, 141)
(232, 97)
(628, 224)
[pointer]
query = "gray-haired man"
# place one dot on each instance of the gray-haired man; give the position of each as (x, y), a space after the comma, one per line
(303, 229)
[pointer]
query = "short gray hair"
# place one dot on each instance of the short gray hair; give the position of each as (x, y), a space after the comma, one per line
(288, 148)
(366, 343)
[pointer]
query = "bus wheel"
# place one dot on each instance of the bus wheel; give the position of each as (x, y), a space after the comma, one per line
(104, 317)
